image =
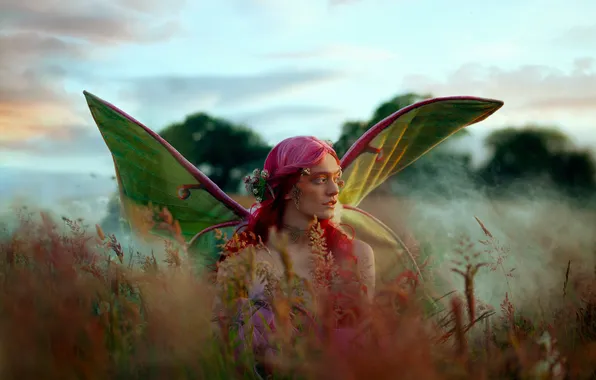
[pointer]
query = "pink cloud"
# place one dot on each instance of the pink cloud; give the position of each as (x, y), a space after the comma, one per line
(528, 91)
(43, 41)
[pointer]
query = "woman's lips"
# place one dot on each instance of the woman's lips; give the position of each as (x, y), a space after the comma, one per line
(330, 204)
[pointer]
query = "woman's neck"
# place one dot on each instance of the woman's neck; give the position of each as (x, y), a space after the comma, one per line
(296, 234)
(296, 219)
(296, 224)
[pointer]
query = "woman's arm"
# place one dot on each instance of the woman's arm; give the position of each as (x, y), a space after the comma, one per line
(366, 266)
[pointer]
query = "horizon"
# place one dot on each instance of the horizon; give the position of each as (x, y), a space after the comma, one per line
(278, 67)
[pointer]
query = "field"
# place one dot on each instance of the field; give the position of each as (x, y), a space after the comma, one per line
(506, 295)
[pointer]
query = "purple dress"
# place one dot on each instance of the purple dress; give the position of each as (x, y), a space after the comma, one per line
(255, 314)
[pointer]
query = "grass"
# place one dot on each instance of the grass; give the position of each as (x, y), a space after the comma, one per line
(76, 304)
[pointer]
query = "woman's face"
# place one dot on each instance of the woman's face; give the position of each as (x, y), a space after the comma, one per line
(319, 189)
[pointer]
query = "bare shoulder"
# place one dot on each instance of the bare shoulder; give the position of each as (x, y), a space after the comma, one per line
(264, 254)
(261, 258)
(363, 250)
(366, 264)
(261, 254)
(364, 253)
(269, 260)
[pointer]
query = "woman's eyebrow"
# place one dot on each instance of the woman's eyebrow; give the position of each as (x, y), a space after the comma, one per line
(338, 171)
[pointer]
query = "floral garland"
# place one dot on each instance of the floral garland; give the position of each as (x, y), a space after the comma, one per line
(257, 184)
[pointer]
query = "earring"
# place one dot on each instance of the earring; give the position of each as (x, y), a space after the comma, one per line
(296, 196)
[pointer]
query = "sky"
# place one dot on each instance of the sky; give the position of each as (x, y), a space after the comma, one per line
(282, 67)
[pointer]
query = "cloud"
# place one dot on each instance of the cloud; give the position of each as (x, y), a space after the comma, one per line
(347, 53)
(283, 15)
(342, 2)
(40, 39)
(273, 115)
(101, 21)
(29, 65)
(531, 92)
(159, 94)
(44, 45)
(48, 45)
(276, 123)
(71, 141)
(581, 36)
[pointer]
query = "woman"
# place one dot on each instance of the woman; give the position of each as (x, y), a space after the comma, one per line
(298, 191)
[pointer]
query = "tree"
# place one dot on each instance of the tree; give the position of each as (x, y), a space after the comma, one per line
(352, 130)
(224, 151)
(573, 174)
(395, 104)
(520, 153)
(533, 155)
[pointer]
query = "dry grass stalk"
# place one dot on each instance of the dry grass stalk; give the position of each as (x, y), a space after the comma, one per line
(110, 314)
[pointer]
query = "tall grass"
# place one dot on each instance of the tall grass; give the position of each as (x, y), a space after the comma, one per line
(75, 304)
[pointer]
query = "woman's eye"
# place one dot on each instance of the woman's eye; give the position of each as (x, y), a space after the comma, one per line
(320, 180)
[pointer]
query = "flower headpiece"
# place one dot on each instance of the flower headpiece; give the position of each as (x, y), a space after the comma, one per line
(257, 184)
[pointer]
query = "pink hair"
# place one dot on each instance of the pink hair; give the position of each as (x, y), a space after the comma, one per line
(284, 164)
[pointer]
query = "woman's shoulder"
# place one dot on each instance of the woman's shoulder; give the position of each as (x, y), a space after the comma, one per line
(362, 250)
(361, 245)
(241, 240)
(261, 255)
(253, 258)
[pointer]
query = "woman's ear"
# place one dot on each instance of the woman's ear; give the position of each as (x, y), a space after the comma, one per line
(290, 194)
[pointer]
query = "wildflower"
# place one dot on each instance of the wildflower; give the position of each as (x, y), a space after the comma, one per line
(100, 233)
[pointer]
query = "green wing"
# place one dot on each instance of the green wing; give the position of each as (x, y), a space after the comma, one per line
(391, 253)
(151, 172)
(389, 147)
(402, 138)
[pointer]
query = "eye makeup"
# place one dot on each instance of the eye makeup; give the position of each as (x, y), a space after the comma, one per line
(322, 177)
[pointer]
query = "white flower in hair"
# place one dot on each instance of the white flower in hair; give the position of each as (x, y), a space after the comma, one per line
(256, 172)
(265, 174)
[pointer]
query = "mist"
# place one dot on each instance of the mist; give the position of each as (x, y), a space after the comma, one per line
(535, 231)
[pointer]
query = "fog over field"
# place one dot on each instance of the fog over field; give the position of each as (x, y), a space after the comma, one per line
(536, 237)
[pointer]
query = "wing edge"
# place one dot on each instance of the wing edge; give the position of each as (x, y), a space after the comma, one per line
(209, 186)
(356, 148)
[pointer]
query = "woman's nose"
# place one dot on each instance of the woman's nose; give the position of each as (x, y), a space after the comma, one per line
(333, 189)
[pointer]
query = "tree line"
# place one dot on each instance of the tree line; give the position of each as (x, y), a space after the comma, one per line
(526, 161)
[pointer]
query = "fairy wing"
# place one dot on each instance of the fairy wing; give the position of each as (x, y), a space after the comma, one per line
(389, 147)
(405, 136)
(150, 171)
